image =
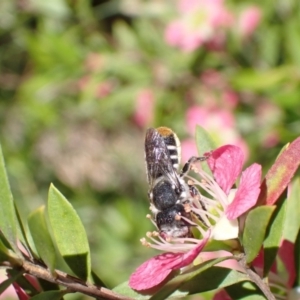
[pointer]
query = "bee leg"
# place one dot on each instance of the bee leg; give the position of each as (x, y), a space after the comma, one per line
(195, 194)
(187, 166)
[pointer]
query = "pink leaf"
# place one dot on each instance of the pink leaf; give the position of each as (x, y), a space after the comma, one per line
(155, 270)
(226, 164)
(247, 193)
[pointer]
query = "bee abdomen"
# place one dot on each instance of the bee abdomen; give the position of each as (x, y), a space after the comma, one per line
(163, 195)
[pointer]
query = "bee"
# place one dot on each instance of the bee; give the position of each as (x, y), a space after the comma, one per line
(168, 192)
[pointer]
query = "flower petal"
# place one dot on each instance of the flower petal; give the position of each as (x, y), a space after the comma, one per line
(225, 229)
(152, 272)
(155, 270)
(188, 257)
(226, 164)
(247, 192)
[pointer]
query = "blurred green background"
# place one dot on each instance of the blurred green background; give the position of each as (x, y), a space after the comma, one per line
(81, 81)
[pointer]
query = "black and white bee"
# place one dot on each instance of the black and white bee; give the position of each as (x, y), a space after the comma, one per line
(169, 194)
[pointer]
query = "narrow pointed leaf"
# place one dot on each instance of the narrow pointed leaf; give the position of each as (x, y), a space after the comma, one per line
(8, 218)
(47, 285)
(4, 251)
(6, 283)
(125, 290)
(205, 144)
(245, 291)
(69, 233)
(49, 295)
(41, 237)
(255, 228)
(97, 280)
(21, 232)
(280, 174)
(274, 235)
(291, 229)
(213, 278)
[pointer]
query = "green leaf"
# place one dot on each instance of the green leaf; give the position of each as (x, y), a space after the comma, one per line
(213, 278)
(97, 280)
(204, 144)
(255, 228)
(291, 229)
(274, 235)
(195, 280)
(21, 233)
(245, 291)
(125, 290)
(292, 43)
(258, 80)
(49, 295)
(69, 234)
(4, 250)
(204, 141)
(6, 283)
(280, 174)
(41, 237)
(8, 218)
(48, 286)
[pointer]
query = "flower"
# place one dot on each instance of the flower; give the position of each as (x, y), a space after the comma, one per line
(222, 203)
(200, 22)
(249, 20)
(144, 108)
(218, 211)
(213, 119)
(155, 270)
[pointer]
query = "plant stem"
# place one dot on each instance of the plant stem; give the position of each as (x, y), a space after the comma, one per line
(254, 277)
(72, 283)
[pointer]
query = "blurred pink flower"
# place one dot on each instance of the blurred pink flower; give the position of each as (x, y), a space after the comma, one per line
(249, 21)
(200, 22)
(94, 62)
(230, 98)
(211, 119)
(104, 89)
(97, 89)
(188, 149)
(219, 122)
(144, 108)
(216, 91)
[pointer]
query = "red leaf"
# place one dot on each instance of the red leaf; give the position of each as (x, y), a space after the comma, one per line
(280, 174)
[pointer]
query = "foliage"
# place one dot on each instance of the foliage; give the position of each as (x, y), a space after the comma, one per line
(81, 81)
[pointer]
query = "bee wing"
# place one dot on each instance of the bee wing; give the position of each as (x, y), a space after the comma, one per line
(157, 156)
